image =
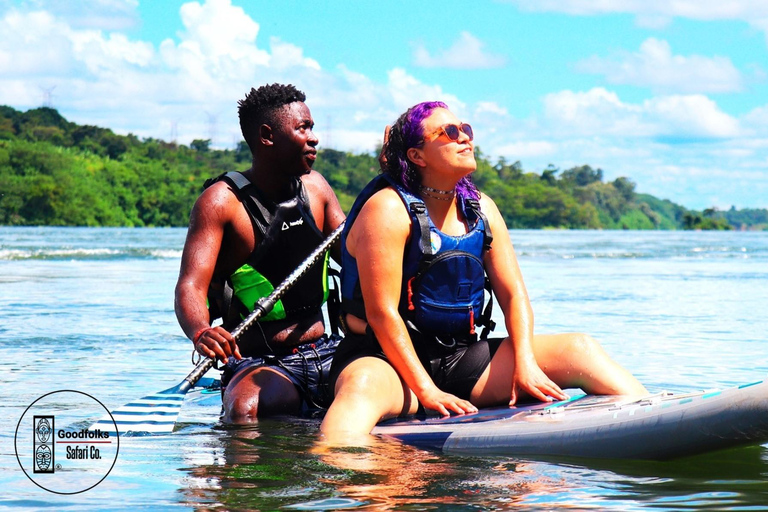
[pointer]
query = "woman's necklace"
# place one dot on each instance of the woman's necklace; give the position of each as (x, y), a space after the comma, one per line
(434, 193)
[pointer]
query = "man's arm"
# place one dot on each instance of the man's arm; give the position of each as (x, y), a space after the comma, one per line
(208, 220)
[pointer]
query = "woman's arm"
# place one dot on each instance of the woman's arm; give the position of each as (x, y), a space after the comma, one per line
(377, 241)
(509, 288)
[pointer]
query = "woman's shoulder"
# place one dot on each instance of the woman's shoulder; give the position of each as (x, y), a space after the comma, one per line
(384, 198)
(385, 206)
(487, 205)
(492, 213)
(383, 221)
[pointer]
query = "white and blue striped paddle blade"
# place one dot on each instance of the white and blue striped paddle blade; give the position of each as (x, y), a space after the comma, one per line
(152, 414)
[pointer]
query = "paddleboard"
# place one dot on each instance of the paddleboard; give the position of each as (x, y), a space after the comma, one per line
(660, 426)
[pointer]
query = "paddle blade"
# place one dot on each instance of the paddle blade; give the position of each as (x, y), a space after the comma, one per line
(152, 414)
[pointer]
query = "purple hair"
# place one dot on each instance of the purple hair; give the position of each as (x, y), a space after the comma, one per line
(407, 133)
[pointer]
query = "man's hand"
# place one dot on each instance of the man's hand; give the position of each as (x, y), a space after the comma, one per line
(217, 343)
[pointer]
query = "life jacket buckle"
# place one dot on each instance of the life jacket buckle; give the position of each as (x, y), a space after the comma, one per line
(418, 208)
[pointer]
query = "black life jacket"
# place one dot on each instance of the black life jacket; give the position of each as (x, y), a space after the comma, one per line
(288, 234)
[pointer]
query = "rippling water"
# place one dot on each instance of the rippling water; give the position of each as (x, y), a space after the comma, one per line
(92, 310)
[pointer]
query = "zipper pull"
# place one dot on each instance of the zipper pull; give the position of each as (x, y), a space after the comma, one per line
(411, 307)
(471, 320)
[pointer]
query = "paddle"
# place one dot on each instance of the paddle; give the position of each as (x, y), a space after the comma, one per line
(157, 413)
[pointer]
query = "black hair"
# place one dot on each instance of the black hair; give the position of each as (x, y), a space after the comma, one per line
(260, 107)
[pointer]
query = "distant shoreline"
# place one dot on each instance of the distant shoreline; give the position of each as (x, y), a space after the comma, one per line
(57, 173)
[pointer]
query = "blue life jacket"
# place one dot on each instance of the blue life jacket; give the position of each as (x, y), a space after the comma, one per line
(443, 276)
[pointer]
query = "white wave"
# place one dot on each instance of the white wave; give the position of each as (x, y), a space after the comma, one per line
(20, 254)
(166, 253)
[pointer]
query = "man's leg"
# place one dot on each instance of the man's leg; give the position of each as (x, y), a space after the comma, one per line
(258, 392)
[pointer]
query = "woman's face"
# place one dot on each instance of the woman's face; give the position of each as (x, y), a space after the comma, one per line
(439, 152)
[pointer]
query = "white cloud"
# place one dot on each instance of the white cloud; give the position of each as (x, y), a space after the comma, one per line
(656, 67)
(757, 118)
(34, 44)
(99, 14)
(217, 48)
(747, 10)
(689, 116)
(524, 149)
(658, 13)
(652, 21)
(219, 31)
(357, 141)
(595, 112)
(99, 53)
(406, 91)
(761, 24)
(601, 112)
(286, 55)
(466, 53)
(490, 107)
(189, 85)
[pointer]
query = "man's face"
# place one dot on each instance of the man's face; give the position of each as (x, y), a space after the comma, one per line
(294, 141)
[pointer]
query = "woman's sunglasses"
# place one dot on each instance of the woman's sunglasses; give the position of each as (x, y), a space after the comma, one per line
(452, 131)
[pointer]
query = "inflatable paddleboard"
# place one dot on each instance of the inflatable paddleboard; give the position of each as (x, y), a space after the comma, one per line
(661, 426)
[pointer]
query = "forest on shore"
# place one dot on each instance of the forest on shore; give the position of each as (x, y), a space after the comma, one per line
(57, 173)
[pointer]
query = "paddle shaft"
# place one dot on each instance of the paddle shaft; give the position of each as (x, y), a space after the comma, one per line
(265, 305)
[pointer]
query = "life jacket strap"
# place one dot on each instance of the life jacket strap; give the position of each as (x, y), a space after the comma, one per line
(485, 318)
(334, 300)
(474, 207)
(419, 211)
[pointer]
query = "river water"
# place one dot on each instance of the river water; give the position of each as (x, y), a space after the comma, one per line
(91, 309)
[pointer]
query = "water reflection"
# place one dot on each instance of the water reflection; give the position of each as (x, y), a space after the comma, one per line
(736, 478)
(282, 465)
(276, 464)
(677, 310)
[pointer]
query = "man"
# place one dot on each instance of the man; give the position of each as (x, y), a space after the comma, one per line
(248, 231)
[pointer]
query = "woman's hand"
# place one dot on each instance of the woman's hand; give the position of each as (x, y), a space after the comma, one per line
(445, 403)
(529, 378)
(217, 343)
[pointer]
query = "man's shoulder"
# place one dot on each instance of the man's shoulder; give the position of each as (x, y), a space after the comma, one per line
(217, 196)
(316, 184)
(314, 178)
(218, 190)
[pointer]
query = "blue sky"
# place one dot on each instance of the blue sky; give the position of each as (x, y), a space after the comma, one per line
(673, 95)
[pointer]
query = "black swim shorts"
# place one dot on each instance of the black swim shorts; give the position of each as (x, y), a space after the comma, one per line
(454, 370)
(307, 366)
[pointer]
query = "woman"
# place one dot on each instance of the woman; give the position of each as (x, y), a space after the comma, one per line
(412, 294)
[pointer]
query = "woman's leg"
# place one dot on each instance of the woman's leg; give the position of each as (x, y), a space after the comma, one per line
(368, 390)
(571, 360)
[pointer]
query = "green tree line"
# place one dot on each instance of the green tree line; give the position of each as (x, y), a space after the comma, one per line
(55, 172)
